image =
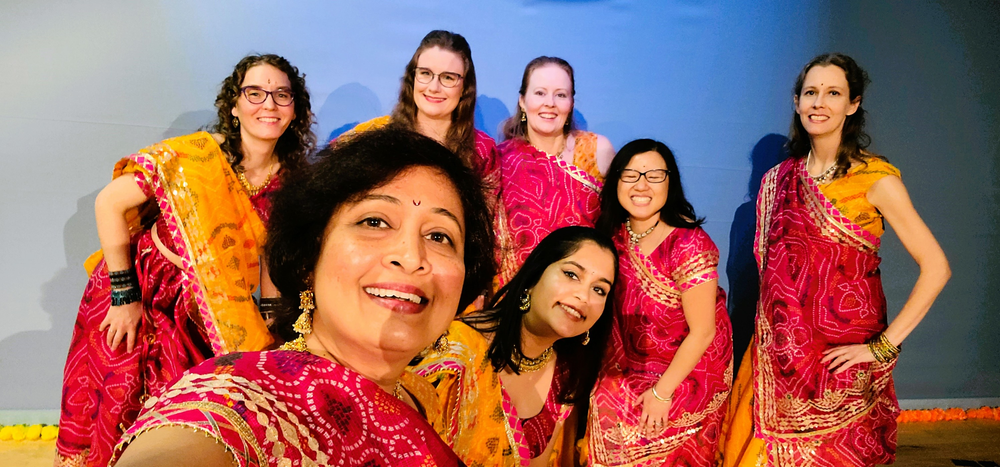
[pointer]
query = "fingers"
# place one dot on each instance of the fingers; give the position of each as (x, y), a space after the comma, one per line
(116, 339)
(130, 340)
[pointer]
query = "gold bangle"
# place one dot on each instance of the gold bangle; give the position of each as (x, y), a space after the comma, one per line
(883, 349)
(661, 399)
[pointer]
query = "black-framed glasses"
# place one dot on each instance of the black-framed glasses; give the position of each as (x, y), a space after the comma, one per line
(652, 176)
(256, 95)
(446, 78)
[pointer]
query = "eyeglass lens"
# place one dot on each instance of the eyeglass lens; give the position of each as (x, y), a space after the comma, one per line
(652, 176)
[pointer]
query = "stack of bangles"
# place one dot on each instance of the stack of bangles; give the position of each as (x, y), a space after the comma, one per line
(883, 350)
(268, 306)
(124, 287)
(661, 399)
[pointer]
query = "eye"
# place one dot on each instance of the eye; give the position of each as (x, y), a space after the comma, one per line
(423, 72)
(284, 95)
(539, 93)
(439, 237)
(255, 92)
(808, 93)
(562, 95)
(600, 291)
(374, 222)
(834, 93)
(570, 274)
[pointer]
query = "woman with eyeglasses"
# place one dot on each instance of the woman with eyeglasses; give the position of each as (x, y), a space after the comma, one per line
(550, 172)
(665, 380)
(181, 226)
(437, 98)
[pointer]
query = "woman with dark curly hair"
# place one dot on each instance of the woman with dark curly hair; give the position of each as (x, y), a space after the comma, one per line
(437, 98)
(817, 386)
(180, 227)
(374, 249)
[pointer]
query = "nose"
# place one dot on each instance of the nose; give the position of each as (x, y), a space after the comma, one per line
(269, 102)
(818, 101)
(435, 84)
(408, 254)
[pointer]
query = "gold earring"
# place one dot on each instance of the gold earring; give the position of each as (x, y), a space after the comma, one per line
(586, 338)
(524, 116)
(303, 325)
(441, 345)
(525, 301)
(236, 122)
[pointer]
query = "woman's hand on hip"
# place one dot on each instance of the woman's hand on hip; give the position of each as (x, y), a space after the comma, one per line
(122, 323)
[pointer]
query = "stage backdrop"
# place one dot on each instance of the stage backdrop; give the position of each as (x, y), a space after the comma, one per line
(86, 83)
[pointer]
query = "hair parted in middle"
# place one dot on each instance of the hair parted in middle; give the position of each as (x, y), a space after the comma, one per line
(344, 174)
(503, 316)
(513, 127)
(676, 212)
(461, 134)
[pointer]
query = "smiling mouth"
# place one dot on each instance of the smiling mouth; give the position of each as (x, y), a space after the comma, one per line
(572, 312)
(436, 100)
(268, 119)
(641, 200)
(396, 295)
(818, 118)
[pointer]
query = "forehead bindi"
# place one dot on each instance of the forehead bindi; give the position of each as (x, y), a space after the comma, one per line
(266, 76)
(830, 76)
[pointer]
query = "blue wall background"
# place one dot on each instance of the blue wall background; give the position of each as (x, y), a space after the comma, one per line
(89, 82)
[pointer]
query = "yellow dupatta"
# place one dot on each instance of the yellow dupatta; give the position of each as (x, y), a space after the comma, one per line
(216, 231)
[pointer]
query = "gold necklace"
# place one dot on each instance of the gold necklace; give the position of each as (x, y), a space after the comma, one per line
(251, 188)
(634, 237)
(824, 177)
(558, 154)
(528, 365)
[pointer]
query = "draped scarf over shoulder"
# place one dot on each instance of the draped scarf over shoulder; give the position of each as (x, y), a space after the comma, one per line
(215, 229)
(820, 287)
(540, 193)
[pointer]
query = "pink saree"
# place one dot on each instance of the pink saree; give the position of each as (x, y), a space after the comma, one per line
(189, 314)
(293, 408)
(648, 328)
(820, 287)
(539, 193)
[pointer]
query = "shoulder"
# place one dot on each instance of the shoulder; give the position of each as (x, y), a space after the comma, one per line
(879, 167)
(513, 145)
(481, 138)
(467, 335)
(693, 240)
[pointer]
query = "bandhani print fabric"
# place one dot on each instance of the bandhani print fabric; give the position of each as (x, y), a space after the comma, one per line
(820, 287)
(190, 313)
(540, 193)
(648, 328)
(284, 408)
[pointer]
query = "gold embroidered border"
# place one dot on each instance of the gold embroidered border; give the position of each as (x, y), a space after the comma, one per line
(829, 219)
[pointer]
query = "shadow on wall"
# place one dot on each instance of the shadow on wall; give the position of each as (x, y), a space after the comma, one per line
(490, 115)
(190, 122)
(344, 108)
(28, 380)
(741, 267)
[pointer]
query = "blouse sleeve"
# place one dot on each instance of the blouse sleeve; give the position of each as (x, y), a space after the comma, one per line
(694, 259)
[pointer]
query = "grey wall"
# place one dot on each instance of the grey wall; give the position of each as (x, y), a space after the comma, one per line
(89, 82)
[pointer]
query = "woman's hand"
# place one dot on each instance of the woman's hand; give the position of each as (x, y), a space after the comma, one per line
(845, 356)
(122, 323)
(653, 419)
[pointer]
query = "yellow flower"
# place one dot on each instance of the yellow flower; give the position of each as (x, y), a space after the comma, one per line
(17, 434)
(6, 433)
(33, 432)
(49, 433)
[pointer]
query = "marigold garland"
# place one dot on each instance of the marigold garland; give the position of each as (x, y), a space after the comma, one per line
(937, 415)
(28, 432)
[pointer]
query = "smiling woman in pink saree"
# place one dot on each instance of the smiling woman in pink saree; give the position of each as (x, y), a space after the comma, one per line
(550, 172)
(665, 379)
(818, 389)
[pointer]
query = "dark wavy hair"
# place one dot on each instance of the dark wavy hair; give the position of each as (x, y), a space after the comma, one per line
(345, 173)
(461, 134)
(298, 139)
(677, 212)
(854, 141)
(503, 316)
(513, 127)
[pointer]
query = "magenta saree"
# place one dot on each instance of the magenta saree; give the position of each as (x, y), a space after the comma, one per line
(189, 314)
(649, 326)
(539, 193)
(282, 407)
(820, 287)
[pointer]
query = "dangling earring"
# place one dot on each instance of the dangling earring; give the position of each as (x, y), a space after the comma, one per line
(442, 344)
(525, 301)
(586, 338)
(303, 325)
(236, 122)
(524, 116)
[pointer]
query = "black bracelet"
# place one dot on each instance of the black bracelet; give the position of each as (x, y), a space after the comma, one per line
(121, 297)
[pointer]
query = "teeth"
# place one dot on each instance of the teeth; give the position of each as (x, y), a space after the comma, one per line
(268, 119)
(572, 312)
(387, 293)
(641, 199)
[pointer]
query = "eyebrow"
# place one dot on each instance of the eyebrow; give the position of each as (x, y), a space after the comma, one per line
(580, 266)
(393, 200)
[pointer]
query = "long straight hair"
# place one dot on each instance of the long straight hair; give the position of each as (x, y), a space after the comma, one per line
(503, 317)
(462, 131)
(854, 141)
(676, 212)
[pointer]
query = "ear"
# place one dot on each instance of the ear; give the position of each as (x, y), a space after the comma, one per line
(795, 105)
(854, 106)
(520, 104)
(233, 111)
